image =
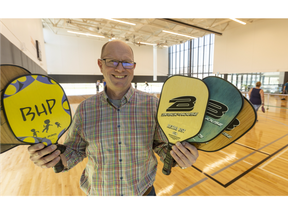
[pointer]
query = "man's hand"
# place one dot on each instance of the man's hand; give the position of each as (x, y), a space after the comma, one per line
(41, 156)
(184, 154)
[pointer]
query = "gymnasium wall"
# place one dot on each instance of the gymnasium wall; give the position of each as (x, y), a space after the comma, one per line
(18, 44)
(261, 46)
(71, 55)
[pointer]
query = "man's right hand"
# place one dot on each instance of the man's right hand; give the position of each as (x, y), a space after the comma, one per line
(40, 155)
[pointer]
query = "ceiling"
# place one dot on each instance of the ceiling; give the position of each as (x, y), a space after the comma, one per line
(145, 30)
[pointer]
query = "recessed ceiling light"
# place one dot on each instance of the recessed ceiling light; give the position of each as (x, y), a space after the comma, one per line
(236, 20)
(177, 34)
(87, 34)
(147, 43)
(120, 21)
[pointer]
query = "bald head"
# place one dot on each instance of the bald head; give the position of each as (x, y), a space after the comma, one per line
(114, 42)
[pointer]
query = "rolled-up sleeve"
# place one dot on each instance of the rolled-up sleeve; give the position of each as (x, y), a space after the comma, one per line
(75, 143)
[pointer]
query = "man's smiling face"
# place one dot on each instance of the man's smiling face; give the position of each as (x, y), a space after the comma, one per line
(118, 79)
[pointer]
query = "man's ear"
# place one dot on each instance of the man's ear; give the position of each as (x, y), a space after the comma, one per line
(100, 65)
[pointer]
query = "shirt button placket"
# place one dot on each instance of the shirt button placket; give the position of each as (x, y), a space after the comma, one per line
(118, 126)
(119, 133)
(120, 160)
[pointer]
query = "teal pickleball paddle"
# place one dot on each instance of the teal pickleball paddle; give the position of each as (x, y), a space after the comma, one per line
(225, 103)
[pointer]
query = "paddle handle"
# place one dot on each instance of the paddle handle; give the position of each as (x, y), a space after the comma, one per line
(59, 166)
(168, 161)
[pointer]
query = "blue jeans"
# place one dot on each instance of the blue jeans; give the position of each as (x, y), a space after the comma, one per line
(256, 107)
(152, 192)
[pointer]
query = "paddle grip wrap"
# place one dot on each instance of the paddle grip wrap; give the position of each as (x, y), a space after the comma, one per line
(59, 166)
(168, 161)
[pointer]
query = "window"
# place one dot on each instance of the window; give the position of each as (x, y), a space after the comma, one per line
(244, 81)
(193, 58)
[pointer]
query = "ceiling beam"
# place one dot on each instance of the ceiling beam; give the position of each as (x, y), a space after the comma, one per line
(189, 25)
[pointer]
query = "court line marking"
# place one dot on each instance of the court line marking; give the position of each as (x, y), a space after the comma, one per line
(193, 185)
(251, 148)
(273, 142)
(255, 166)
(239, 176)
(283, 158)
(275, 121)
(269, 171)
(189, 187)
(263, 152)
(248, 162)
(272, 159)
(256, 150)
(241, 159)
(273, 174)
(268, 106)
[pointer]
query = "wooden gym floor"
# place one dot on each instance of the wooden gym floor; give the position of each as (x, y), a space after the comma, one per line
(254, 165)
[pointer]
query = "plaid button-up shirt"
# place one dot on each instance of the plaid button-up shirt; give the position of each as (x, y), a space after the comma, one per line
(118, 142)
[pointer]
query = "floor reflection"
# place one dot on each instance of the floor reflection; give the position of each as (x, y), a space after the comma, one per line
(166, 190)
(220, 163)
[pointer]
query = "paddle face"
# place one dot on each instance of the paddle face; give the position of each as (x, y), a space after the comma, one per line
(225, 103)
(182, 106)
(36, 109)
(8, 73)
(181, 110)
(244, 121)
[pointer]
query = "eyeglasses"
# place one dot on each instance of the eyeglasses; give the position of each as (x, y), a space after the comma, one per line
(114, 63)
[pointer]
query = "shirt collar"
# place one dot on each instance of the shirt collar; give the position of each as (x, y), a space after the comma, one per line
(127, 97)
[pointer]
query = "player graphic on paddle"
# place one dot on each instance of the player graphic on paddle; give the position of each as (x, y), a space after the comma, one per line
(58, 124)
(34, 132)
(46, 127)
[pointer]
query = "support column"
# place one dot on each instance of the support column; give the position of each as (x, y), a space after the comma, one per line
(154, 63)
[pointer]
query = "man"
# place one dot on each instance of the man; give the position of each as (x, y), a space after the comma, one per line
(117, 130)
(285, 89)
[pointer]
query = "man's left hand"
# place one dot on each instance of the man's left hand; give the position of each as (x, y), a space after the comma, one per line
(184, 154)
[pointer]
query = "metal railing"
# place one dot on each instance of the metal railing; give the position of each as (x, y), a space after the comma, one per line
(269, 103)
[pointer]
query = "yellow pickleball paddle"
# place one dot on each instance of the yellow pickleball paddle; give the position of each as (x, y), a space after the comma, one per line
(181, 110)
(37, 110)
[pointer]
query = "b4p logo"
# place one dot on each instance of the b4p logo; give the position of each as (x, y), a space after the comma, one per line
(216, 109)
(185, 103)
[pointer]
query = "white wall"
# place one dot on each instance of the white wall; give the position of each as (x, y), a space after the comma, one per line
(78, 55)
(23, 33)
(258, 47)
(162, 61)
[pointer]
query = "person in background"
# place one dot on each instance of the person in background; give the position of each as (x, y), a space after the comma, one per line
(256, 96)
(104, 83)
(97, 86)
(117, 130)
(146, 86)
(285, 89)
